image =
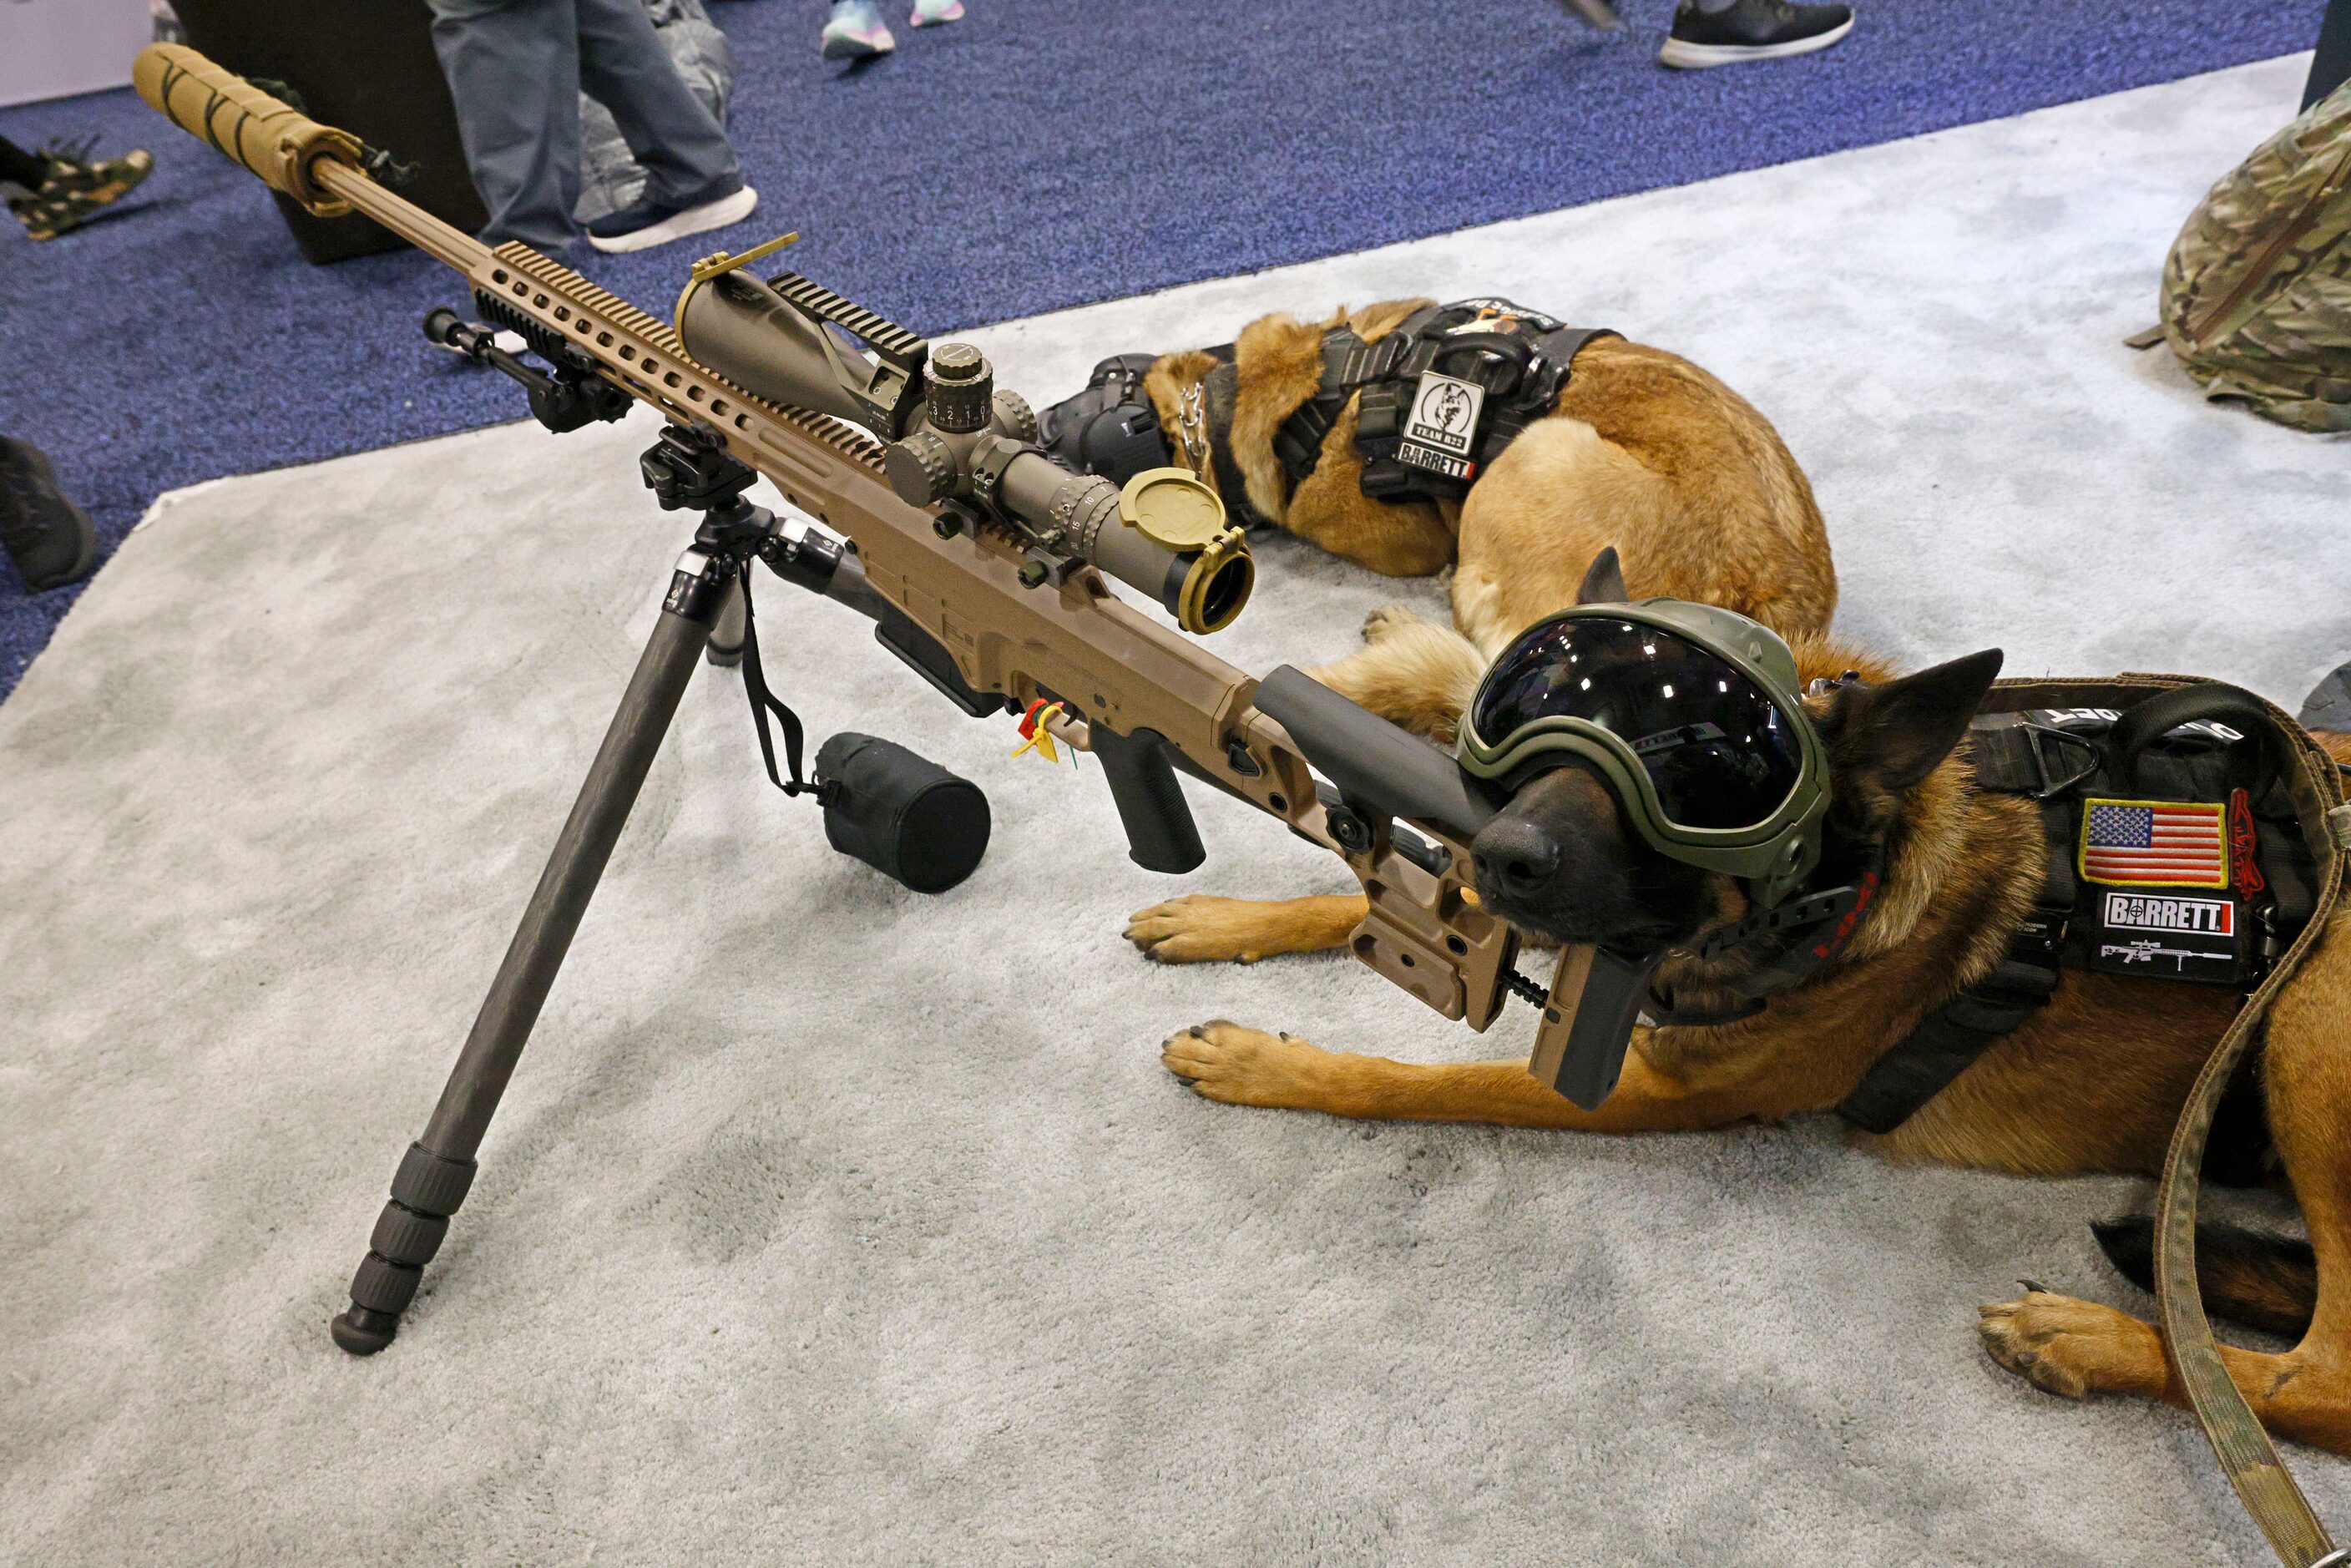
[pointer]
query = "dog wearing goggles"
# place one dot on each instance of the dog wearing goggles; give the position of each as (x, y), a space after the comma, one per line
(1667, 773)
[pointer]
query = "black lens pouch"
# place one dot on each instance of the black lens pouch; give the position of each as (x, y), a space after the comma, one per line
(904, 815)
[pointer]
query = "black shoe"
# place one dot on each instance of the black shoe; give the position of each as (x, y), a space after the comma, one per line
(650, 221)
(1751, 30)
(50, 537)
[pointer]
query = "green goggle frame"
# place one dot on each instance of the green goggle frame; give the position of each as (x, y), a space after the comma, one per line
(1773, 856)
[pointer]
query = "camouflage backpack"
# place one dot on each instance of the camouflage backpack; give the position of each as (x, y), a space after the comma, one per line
(2257, 292)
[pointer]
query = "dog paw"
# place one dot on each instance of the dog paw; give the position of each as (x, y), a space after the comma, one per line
(1221, 1061)
(2070, 1347)
(1390, 618)
(1199, 928)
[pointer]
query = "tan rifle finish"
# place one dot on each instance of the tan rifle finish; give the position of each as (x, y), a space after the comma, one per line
(1079, 643)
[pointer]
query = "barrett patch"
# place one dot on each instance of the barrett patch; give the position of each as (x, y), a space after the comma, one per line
(2137, 843)
(2152, 912)
(2168, 936)
(1441, 430)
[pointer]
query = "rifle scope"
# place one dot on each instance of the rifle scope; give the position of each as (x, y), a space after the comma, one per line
(952, 436)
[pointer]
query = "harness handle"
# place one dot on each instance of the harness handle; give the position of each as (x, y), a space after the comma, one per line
(2146, 722)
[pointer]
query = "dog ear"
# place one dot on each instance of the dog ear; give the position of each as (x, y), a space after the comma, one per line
(1603, 581)
(1897, 733)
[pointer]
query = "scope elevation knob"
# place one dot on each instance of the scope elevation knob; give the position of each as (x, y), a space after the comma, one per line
(962, 386)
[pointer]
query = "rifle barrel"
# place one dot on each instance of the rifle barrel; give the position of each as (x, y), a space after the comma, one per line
(1079, 643)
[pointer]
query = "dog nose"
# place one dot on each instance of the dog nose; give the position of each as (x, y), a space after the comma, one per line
(1513, 855)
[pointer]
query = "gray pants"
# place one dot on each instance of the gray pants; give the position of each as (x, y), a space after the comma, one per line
(516, 68)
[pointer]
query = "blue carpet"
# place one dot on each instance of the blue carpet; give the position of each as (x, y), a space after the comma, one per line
(1041, 154)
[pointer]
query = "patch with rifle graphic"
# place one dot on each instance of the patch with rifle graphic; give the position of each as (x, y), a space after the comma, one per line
(2163, 910)
(2169, 934)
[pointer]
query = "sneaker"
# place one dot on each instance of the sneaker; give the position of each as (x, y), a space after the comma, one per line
(1751, 30)
(856, 32)
(78, 189)
(1598, 14)
(650, 221)
(935, 13)
(49, 536)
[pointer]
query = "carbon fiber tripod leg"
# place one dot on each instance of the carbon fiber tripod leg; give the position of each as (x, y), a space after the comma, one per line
(439, 1166)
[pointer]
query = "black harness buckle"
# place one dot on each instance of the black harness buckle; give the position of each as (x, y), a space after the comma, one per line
(2041, 741)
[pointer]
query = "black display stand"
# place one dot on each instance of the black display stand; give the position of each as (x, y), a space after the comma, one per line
(368, 67)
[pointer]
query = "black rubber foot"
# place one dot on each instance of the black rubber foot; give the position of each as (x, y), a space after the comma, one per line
(363, 1331)
(724, 658)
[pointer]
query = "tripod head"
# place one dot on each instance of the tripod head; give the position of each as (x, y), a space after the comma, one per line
(899, 812)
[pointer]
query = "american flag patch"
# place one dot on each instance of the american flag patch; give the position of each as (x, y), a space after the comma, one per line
(2127, 843)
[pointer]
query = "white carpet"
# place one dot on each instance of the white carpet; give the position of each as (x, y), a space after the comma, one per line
(825, 1223)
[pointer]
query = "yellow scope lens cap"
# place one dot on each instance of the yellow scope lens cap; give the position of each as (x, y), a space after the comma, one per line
(1172, 506)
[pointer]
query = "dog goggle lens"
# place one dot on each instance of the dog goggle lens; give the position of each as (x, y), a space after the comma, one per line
(1718, 750)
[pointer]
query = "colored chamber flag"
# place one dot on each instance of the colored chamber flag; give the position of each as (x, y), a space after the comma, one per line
(2133, 842)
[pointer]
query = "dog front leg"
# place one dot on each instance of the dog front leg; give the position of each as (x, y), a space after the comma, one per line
(1201, 928)
(1239, 1066)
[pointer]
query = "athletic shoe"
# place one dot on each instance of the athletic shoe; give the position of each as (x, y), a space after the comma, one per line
(649, 221)
(856, 32)
(1599, 15)
(78, 189)
(935, 13)
(50, 537)
(1751, 30)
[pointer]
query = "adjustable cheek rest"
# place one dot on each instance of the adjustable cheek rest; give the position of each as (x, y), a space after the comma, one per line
(1377, 766)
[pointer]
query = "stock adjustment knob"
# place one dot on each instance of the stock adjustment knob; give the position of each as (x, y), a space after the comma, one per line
(961, 387)
(921, 469)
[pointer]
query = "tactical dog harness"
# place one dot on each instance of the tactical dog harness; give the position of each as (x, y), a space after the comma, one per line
(1441, 397)
(2079, 748)
(2170, 854)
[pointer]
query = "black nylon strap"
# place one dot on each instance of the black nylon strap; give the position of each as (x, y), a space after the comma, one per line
(763, 703)
(1947, 1043)
(1297, 443)
(2009, 756)
(1218, 389)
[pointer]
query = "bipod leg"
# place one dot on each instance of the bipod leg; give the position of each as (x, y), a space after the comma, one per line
(435, 1172)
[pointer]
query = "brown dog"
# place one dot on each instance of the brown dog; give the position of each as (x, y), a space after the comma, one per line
(2093, 1082)
(1644, 451)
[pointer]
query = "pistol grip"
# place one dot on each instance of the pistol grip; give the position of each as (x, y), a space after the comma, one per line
(1160, 832)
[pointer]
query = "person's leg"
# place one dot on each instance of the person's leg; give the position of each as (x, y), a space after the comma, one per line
(18, 167)
(514, 74)
(625, 66)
